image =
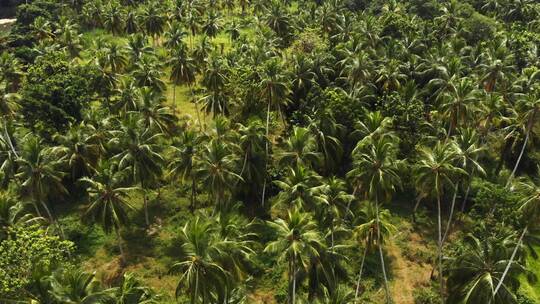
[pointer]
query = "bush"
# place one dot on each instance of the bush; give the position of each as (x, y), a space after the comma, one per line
(426, 295)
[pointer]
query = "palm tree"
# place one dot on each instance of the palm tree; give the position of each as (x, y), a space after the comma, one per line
(184, 157)
(147, 73)
(154, 20)
(527, 110)
(108, 200)
(301, 188)
(477, 267)
(338, 200)
(530, 210)
(131, 291)
(74, 286)
(300, 149)
(278, 20)
(298, 241)
(113, 18)
(39, 173)
(174, 37)
(457, 103)
(132, 22)
(183, 71)
(367, 232)
(201, 273)
(9, 104)
(251, 143)
(375, 174)
(212, 26)
(433, 172)
(14, 214)
(274, 89)
(140, 154)
(216, 170)
(154, 115)
(114, 56)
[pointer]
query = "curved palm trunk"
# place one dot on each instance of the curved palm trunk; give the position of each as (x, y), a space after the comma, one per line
(520, 155)
(456, 188)
(360, 275)
(512, 257)
(386, 289)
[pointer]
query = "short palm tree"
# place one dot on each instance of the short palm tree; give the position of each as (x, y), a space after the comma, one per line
(74, 286)
(298, 241)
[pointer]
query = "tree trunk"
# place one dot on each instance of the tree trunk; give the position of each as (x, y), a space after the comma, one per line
(520, 153)
(119, 240)
(192, 207)
(145, 200)
(174, 99)
(360, 275)
(196, 108)
(386, 289)
(267, 147)
(451, 213)
(294, 281)
(439, 249)
(512, 257)
(8, 139)
(418, 200)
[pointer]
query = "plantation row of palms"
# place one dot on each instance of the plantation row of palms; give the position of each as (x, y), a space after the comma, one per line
(324, 118)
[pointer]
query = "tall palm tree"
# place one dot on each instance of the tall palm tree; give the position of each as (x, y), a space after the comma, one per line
(183, 71)
(457, 103)
(375, 174)
(154, 20)
(251, 144)
(212, 25)
(366, 232)
(141, 154)
(147, 73)
(301, 188)
(174, 37)
(154, 115)
(113, 18)
(434, 171)
(274, 89)
(108, 200)
(297, 242)
(527, 110)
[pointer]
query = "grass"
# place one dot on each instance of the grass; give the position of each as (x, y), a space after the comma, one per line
(532, 288)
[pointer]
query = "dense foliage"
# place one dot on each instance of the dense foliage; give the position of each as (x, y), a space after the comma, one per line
(235, 151)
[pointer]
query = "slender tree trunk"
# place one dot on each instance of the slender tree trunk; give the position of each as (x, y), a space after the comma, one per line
(418, 200)
(360, 275)
(456, 188)
(520, 155)
(196, 107)
(439, 249)
(386, 289)
(174, 99)
(294, 281)
(192, 207)
(145, 201)
(267, 147)
(120, 247)
(512, 257)
(8, 138)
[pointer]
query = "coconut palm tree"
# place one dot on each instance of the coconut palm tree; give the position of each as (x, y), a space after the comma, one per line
(526, 119)
(434, 172)
(154, 21)
(108, 200)
(530, 209)
(154, 115)
(457, 103)
(477, 267)
(39, 173)
(141, 154)
(147, 73)
(216, 169)
(301, 188)
(74, 286)
(366, 231)
(132, 22)
(114, 56)
(300, 149)
(201, 272)
(251, 144)
(113, 18)
(14, 214)
(183, 71)
(375, 175)
(212, 25)
(174, 37)
(131, 291)
(184, 157)
(298, 241)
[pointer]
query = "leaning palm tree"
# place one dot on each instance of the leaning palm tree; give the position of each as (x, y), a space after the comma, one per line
(297, 242)
(530, 209)
(478, 267)
(526, 119)
(375, 174)
(433, 173)
(108, 200)
(14, 214)
(202, 275)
